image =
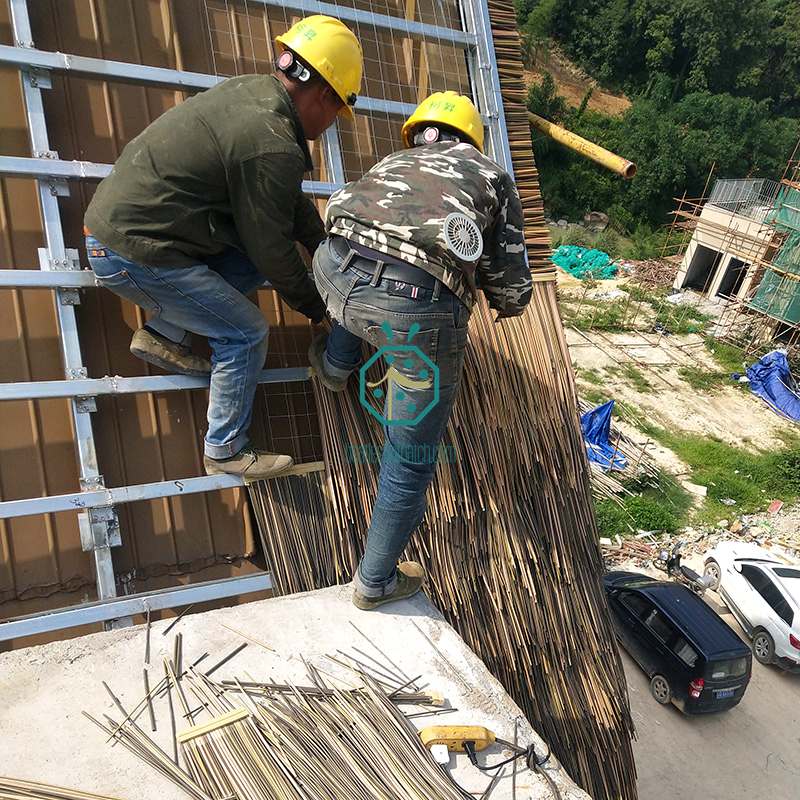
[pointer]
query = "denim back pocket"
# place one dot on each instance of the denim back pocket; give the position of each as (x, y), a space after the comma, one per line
(113, 272)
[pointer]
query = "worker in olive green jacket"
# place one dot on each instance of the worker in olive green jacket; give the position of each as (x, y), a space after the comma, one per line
(205, 205)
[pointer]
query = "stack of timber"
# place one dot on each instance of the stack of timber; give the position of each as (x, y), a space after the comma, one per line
(509, 539)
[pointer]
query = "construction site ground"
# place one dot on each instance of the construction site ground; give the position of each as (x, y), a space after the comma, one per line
(43, 690)
(751, 751)
(729, 413)
(641, 369)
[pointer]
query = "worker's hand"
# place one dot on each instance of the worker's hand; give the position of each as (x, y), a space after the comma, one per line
(322, 327)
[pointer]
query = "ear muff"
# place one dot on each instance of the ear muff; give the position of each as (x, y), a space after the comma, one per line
(428, 135)
(292, 67)
(432, 134)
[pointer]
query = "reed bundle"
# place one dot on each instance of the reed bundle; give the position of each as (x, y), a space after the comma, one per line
(11, 789)
(274, 741)
(509, 539)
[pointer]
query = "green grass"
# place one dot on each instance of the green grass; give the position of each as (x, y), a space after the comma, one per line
(636, 378)
(678, 319)
(633, 375)
(704, 380)
(750, 477)
(639, 512)
(594, 396)
(596, 315)
(590, 375)
(730, 358)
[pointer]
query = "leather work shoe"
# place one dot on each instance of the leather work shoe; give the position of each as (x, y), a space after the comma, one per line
(171, 356)
(316, 355)
(251, 464)
(410, 578)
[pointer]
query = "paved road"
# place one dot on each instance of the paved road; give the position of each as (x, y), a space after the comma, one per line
(750, 752)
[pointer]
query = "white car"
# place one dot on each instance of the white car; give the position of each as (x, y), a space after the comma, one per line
(763, 594)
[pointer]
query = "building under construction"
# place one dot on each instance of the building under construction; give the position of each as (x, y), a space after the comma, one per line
(740, 246)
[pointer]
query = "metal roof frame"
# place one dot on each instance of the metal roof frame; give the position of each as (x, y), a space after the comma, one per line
(125, 607)
(60, 272)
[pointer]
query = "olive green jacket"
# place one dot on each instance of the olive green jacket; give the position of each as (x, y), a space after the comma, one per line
(223, 169)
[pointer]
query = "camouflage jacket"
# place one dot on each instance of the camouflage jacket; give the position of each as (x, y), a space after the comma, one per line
(399, 207)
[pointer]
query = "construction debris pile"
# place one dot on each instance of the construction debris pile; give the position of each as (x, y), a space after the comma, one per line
(765, 530)
(639, 465)
(654, 273)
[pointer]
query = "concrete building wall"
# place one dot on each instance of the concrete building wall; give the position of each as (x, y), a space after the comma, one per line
(731, 238)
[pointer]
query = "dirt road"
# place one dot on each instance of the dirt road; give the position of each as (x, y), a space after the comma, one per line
(751, 751)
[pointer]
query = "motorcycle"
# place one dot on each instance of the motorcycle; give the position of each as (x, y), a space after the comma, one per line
(670, 562)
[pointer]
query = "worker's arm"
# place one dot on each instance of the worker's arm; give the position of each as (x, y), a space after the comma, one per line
(264, 194)
(309, 228)
(504, 274)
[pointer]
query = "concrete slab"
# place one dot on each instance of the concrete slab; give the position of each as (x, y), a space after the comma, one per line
(44, 737)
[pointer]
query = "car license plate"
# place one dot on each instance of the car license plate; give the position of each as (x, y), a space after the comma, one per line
(721, 694)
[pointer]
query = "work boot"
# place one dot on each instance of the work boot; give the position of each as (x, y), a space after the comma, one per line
(410, 578)
(156, 349)
(251, 464)
(316, 355)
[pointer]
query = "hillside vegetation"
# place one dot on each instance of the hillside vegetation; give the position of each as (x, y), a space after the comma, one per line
(711, 82)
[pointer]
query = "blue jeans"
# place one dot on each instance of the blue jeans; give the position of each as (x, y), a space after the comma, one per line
(414, 410)
(210, 300)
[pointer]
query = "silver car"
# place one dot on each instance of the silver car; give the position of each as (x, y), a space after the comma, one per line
(763, 593)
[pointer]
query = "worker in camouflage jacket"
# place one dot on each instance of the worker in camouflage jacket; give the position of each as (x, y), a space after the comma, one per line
(205, 205)
(410, 245)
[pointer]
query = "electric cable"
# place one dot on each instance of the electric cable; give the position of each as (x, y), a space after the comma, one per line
(532, 761)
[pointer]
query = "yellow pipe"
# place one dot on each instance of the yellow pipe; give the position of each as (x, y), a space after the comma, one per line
(583, 146)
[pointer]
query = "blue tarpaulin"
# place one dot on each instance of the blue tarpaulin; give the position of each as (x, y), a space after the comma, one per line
(596, 426)
(771, 379)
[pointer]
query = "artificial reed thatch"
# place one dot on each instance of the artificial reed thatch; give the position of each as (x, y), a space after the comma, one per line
(11, 789)
(509, 539)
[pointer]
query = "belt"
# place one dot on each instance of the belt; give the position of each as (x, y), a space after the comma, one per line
(367, 260)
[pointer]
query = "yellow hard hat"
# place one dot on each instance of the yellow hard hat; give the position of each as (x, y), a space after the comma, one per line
(331, 49)
(446, 108)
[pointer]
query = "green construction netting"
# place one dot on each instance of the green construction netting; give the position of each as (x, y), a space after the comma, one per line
(788, 257)
(584, 263)
(787, 209)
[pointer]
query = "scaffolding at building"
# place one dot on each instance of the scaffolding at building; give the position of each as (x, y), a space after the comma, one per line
(758, 220)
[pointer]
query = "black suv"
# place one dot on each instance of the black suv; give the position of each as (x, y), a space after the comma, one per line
(693, 659)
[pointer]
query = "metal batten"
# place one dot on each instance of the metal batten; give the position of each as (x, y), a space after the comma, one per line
(486, 82)
(114, 384)
(106, 610)
(56, 168)
(46, 279)
(102, 532)
(102, 497)
(25, 57)
(409, 29)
